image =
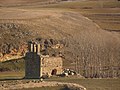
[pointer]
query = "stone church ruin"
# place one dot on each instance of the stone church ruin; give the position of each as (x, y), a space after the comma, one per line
(37, 65)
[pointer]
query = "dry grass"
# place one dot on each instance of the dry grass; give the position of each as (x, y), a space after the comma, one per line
(83, 39)
(11, 75)
(86, 5)
(108, 21)
(46, 88)
(92, 84)
(91, 8)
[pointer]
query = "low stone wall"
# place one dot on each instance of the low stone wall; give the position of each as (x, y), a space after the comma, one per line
(20, 84)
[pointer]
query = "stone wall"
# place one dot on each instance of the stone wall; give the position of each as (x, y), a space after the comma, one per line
(51, 63)
(37, 65)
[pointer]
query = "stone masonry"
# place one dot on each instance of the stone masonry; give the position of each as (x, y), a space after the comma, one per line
(37, 65)
(49, 64)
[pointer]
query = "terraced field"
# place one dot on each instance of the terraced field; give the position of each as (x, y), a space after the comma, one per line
(105, 13)
(108, 21)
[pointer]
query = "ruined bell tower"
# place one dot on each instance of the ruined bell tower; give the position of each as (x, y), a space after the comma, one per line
(37, 65)
(33, 61)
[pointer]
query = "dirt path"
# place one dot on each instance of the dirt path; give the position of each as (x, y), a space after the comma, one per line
(20, 84)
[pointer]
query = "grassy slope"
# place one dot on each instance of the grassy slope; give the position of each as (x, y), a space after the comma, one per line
(13, 65)
(16, 69)
(107, 12)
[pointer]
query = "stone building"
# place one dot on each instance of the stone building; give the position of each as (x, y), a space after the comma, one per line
(51, 65)
(37, 65)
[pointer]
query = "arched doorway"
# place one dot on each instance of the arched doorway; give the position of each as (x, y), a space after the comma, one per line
(54, 72)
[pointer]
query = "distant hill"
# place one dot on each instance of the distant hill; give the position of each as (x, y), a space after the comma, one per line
(25, 2)
(33, 2)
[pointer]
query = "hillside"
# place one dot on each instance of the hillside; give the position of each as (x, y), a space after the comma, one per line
(14, 3)
(81, 40)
